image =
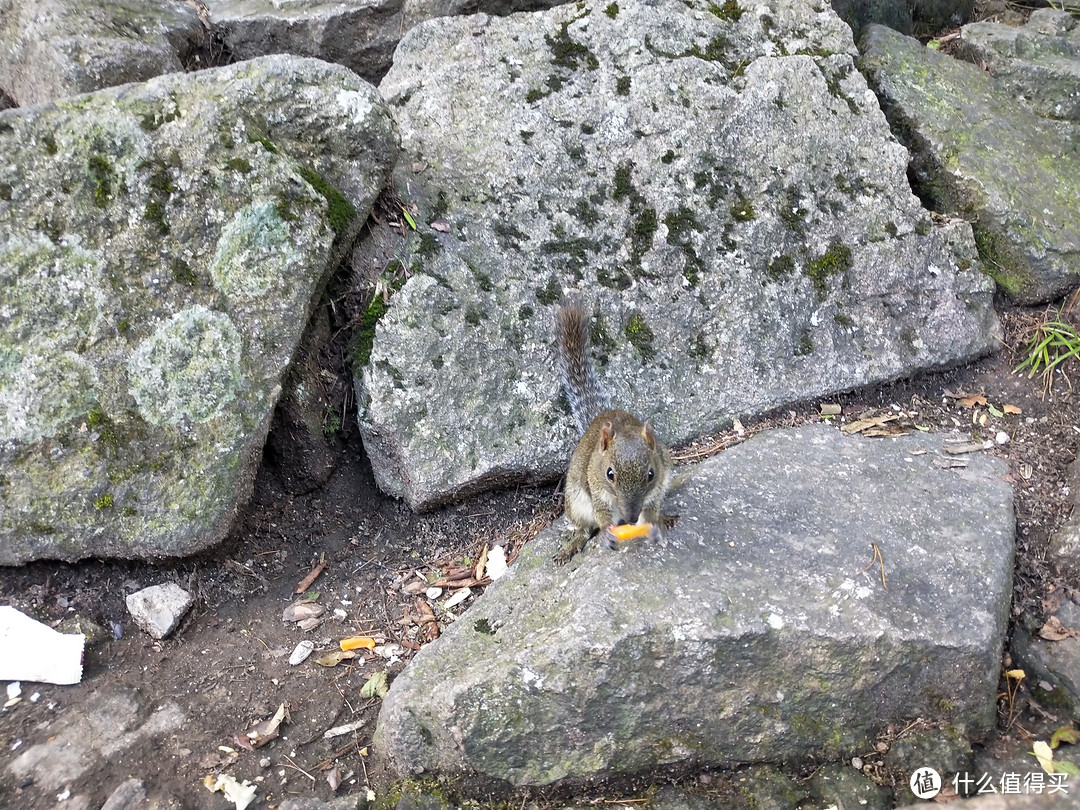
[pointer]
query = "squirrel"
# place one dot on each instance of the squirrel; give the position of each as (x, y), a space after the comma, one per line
(619, 472)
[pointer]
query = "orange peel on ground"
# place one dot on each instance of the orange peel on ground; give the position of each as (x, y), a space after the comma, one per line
(358, 643)
(629, 531)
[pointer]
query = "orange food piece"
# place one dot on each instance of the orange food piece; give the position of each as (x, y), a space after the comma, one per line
(629, 531)
(358, 643)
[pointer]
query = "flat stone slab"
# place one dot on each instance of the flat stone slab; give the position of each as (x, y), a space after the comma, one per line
(754, 632)
(721, 190)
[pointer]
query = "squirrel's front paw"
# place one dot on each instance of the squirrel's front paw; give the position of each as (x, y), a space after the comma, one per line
(608, 539)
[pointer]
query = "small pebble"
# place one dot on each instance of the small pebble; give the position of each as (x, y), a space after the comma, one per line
(1002, 437)
(433, 593)
(857, 763)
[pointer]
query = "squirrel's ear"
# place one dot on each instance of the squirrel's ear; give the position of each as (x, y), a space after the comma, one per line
(648, 435)
(607, 433)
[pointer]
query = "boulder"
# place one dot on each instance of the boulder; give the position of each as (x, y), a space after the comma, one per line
(980, 154)
(55, 48)
(1051, 658)
(916, 17)
(1038, 62)
(360, 34)
(161, 248)
(1063, 549)
(757, 631)
(719, 186)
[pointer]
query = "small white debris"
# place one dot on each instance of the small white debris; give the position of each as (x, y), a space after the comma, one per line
(239, 794)
(856, 763)
(302, 651)
(32, 651)
(496, 562)
(14, 689)
(1002, 437)
(458, 597)
(433, 593)
(337, 731)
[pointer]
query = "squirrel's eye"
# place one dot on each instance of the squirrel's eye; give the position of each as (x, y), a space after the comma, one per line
(611, 474)
(651, 473)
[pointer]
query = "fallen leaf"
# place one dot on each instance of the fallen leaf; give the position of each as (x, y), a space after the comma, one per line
(862, 424)
(423, 614)
(994, 412)
(376, 686)
(332, 659)
(358, 643)
(973, 400)
(1012, 409)
(305, 583)
(408, 217)
(1054, 630)
(264, 731)
(333, 778)
(1065, 734)
(470, 582)
(440, 225)
(1066, 767)
(415, 588)
(431, 632)
(1045, 756)
(967, 447)
(830, 409)
(478, 569)
(298, 611)
(879, 431)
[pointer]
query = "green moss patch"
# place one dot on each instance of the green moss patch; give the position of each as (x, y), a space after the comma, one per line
(339, 211)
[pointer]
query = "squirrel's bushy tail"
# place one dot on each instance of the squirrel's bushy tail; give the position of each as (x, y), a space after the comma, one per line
(587, 398)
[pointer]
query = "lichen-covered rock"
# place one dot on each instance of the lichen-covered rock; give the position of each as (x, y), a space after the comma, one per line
(160, 249)
(1038, 61)
(360, 34)
(980, 154)
(716, 182)
(754, 633)
(55, 48)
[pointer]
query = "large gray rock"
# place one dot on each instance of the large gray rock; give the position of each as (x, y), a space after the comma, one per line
(55, 48)
(752, 634)
(1063, 550)
(360, 34)
(980, 154)
(719, 186)
(916, 17)
(1038, 61)
(161, 246)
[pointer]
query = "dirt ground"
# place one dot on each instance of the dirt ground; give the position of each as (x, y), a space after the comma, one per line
(226, 667)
